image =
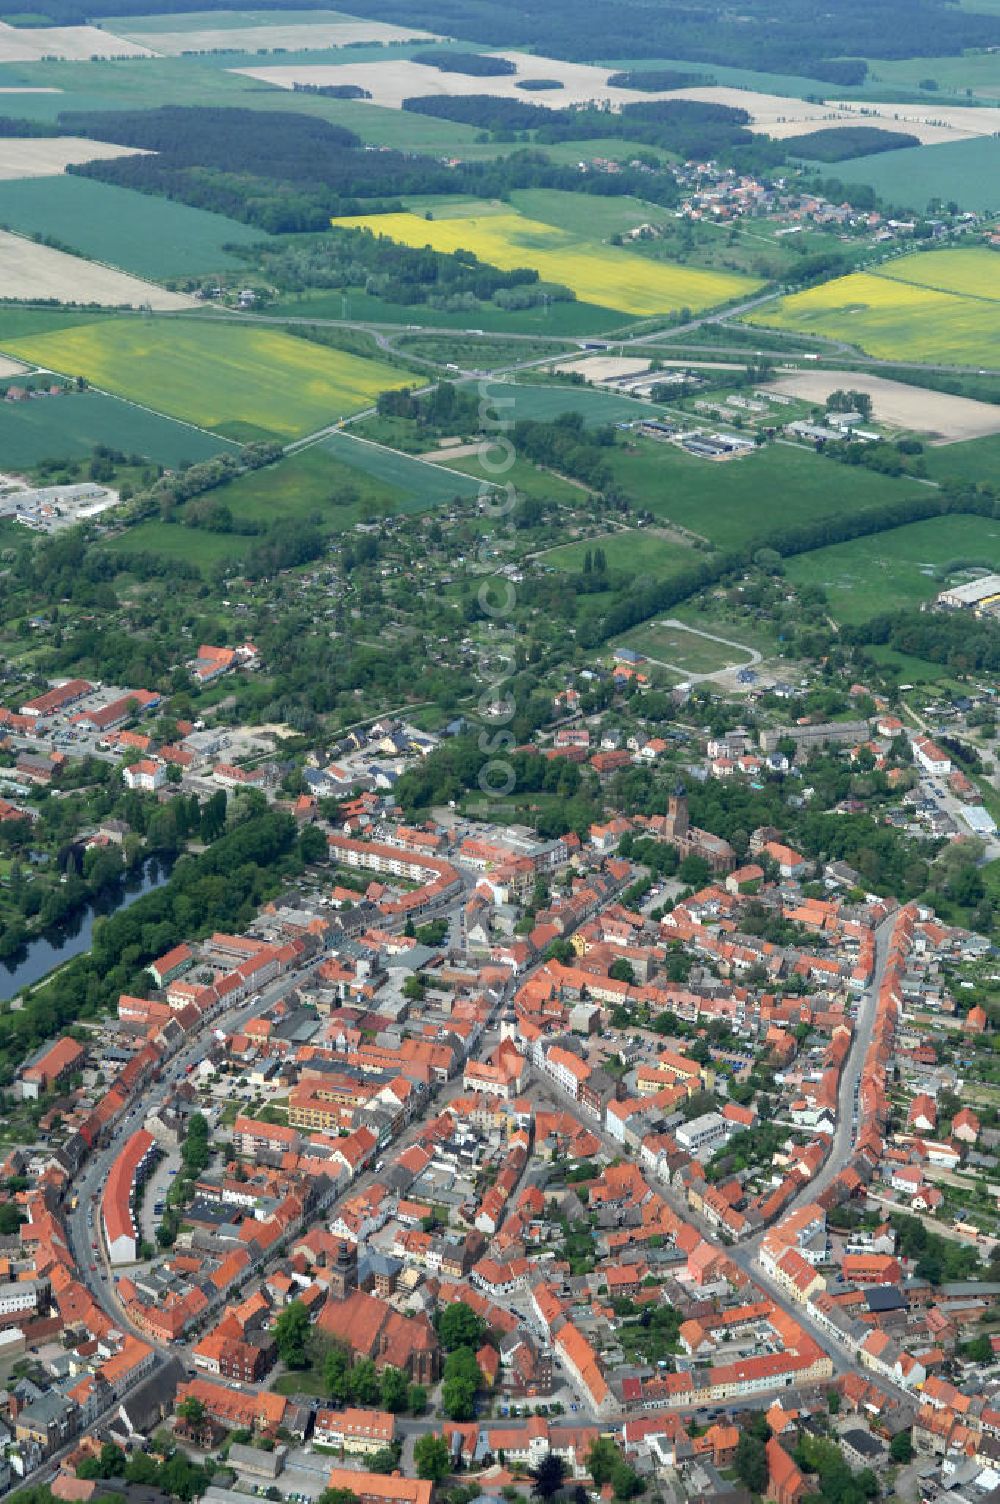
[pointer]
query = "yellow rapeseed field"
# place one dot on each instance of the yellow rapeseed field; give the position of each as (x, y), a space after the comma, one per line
(215, 374)
(893, 319)
(972, 272)
(605, 275)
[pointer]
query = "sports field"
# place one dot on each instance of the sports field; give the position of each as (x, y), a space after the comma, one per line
(896, 569)
(69, 427)
(732, 504)
(597, 273)
(234, 379)
(943, 306)
(150, 237)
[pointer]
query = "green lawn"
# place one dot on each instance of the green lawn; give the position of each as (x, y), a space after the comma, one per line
(895, 569)
(735, 501)
(69, 427)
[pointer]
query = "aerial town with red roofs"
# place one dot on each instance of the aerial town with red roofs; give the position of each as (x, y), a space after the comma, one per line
(476, 1164)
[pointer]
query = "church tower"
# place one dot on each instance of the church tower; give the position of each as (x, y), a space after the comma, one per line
(677, 814)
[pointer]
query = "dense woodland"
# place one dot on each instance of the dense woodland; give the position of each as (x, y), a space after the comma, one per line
(477, 64)
(401, 274)
(287, 172)
(782, 36)
(837, 144)
(688, 128)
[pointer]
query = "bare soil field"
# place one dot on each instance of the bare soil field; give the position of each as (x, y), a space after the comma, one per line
(960, 122)
(605, 367)
(391, 81)
(48, 157)
(9, 367)
(395, 79)
(28, 270)
(304, 37)
(775, 115)
(943, 418)
(928, 135)
(24, 44)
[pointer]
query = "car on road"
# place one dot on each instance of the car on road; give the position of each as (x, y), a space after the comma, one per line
(93, 1268)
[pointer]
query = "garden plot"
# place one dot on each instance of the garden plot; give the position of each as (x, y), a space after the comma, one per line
(48, 157)
(33, 271)
(943, 418)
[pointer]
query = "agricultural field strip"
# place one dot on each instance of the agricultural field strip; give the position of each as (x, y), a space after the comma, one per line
(391, 81)
(946, 418)
(24, 44)
(302, 37)
(83, 419)
(43, 157)
(210, 374)
(39, 272)
(596, 273)
(893, 317)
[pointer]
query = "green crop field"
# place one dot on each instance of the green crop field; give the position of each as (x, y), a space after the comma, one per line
(15, 322)
(542, 403)
(896, 569)
(234, 378)
(145, 83)
(190, 544)
(69, 427)
(418, 483)
(310, 484)
(151, 237)
(684, 649)
(569, 319)
(735, 501)
(975, 71)
(966, 171)
(969, 461)
(640, 551)
(526, 478)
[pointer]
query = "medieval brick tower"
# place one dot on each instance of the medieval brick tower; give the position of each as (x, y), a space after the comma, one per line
(677, 823)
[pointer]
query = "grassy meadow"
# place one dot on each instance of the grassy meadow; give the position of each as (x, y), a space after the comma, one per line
(896, 569)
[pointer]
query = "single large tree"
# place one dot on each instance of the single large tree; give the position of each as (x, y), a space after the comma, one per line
(291, 1331)
(548, 1476)
(432, 1457)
